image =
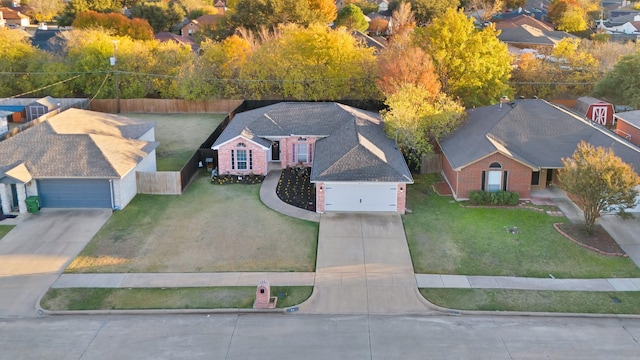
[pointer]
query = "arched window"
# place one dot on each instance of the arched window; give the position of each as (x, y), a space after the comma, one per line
(241, 145)
(241, 159)
(495, 165)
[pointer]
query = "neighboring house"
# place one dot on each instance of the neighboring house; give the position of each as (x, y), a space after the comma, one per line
(628, 125)
(378, 43)
(190, 28)
(383, 5)
(12, 16)
(221, 6)
(621, 28)
(524, 31)
(596, 110)
(3, 22)
(77, 159)
(53, 41)
(518, 146)
(182, 40)
(204, 21)
(354, 165)
(17, 112)
(41, 107)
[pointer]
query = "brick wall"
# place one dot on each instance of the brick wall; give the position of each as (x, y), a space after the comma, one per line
(402, 198)
(259, 157)
(286, 148)
(625, 129)
(470, 178)
(450, 175)
(320, 196)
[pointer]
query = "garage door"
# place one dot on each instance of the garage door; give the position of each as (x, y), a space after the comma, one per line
(74, 193)
(363, 197)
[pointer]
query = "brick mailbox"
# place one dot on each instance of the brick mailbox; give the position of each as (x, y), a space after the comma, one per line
(264, 300)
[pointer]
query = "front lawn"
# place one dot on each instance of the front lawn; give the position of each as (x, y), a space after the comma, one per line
(209, 228)
(180, 135)
(447, 238)
(4, 230)
(171, 298)
(538, 301)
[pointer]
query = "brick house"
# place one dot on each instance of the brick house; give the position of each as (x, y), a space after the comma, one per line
(518, 146)
(628, 125)
(354, 165)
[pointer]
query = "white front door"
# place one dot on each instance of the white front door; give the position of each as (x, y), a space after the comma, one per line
(361, 197)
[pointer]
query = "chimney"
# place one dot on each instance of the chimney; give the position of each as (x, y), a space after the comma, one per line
(503, 100)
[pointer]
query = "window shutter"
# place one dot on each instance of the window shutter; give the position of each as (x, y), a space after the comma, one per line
(293, 153)
(310, 153)
(504, 181)
(484, 174)
(233, 160)
(250, 159)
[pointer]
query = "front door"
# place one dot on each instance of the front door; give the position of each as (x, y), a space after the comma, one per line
(549, 176)
(275, 151)
(14, 196)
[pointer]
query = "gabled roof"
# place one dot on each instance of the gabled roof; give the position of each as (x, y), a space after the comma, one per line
(183, 40)
(527, 34)
(524, 19)
(352, 146)
(209, 19)
(49, 102)
(77, 144)
(533, 132)
(630, 117)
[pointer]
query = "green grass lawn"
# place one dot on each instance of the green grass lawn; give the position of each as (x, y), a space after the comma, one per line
(207, 229)
(4, 230)
(180, 135)
(170, 298)
(537, 301)
(446, 238)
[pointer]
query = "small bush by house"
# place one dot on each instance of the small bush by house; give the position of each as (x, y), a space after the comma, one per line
(494, 198)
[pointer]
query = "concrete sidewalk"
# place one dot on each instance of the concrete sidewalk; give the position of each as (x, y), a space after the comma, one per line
(521, 283)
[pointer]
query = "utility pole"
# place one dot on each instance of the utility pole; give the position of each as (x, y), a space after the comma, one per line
(114, 63)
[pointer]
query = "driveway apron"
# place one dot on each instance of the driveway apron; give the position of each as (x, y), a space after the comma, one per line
(626, 232)
(36, 252)
(363, 267)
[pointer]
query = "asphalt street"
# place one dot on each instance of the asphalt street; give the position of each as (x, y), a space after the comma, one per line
(296, 336)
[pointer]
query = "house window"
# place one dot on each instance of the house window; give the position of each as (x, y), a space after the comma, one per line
(494, 180)
(303, 153)
(535, 178)
(243, 159)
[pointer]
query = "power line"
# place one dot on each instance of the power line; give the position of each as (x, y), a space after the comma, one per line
(46, 87)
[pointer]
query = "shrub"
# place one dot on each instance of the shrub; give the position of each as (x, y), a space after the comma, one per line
(494, 198)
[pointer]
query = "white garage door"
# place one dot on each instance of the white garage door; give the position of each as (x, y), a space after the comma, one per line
(361, 197)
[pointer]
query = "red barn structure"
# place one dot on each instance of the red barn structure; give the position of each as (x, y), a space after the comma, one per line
(596, 110)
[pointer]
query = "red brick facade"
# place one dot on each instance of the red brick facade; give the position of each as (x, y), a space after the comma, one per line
(470, 177)
(288, 158)
(256, 158)
(628, 131)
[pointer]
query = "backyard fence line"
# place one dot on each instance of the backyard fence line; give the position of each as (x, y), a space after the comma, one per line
(431, 164)
(165, 106)
(159, 182)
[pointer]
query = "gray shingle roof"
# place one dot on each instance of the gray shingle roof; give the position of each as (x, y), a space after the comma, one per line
(534, 132)
(631, 117)
(78, 144)
(353, 144)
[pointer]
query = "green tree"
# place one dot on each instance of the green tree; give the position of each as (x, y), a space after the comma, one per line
(417, 118)
(77, 6)
(621, 84)
(118, 24)
(472, 65)
(572, 15)
(255, 14)
(160, 15)
(600, 180)
(171, 60)
(314, 63)
(352, 18)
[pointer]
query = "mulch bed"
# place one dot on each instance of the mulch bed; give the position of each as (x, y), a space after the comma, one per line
(600, 241)
(442, 188)
(295, 188)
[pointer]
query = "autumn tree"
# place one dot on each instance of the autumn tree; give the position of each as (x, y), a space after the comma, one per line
(427, 10)
(352, 18)
(119, 24)
(621, 84)
(378, 26)
(484, 9)
(72, 8)
(170, 60)
(572, 15)
(600, 180)
(44, 10)
(15, 53)
(314, 63)
(473, 65)
(254, 14)
(402, 19)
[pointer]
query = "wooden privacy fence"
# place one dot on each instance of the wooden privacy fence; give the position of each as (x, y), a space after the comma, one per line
(159, 182)
(165, 106)
(431, 164)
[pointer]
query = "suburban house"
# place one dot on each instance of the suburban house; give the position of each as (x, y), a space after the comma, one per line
(13, 17)
(626, 27)
(202, 22)
(76, 159)
(165, 36)
(354, 165)
(527, 32)
(518, 146)
(596, 110)
(628, 125)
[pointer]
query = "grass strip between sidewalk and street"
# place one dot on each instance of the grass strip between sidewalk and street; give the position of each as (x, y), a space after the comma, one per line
(587, 302)
(229, 297)
(4, 230)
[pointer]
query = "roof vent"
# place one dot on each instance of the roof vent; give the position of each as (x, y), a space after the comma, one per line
(504, 100)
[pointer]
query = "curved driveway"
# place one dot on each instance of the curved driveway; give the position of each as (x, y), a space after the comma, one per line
(37, 251)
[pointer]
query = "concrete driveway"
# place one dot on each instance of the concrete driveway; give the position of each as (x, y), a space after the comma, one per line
(364, 267)
(625, 232)
(37, 251)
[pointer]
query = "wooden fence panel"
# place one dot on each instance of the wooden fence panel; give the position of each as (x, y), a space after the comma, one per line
(159, 182)
(431, 164)
(165, 106)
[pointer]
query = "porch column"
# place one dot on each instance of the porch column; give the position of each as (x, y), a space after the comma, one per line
(22, 196)
(5, 198)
